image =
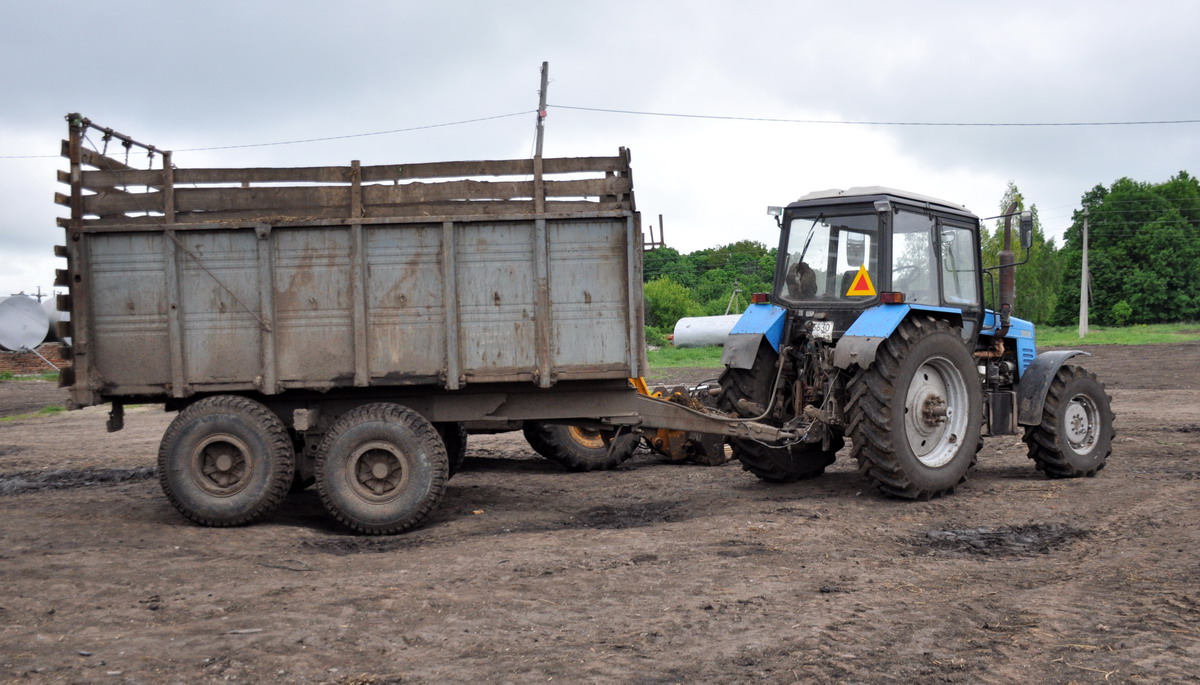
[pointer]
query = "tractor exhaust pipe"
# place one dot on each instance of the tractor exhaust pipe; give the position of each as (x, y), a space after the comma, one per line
(1008, 277)
(1008, 269)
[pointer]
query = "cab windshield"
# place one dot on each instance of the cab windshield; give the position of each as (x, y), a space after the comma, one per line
(832, 258)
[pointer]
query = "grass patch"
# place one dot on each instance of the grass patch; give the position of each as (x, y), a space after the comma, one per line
(48, 376)
(667, 357)
(44, 411)
(1141, 334)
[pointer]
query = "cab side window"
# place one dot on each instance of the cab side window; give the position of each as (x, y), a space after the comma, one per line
(958, 266)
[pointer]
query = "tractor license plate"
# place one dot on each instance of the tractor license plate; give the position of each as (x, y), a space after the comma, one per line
(823, 330)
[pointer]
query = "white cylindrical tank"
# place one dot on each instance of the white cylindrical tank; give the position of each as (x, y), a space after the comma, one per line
(23, 323)
(54, 316)
(704, 331)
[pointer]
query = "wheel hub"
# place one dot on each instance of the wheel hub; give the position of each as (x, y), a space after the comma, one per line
(932, 424)
(221, 465)
(1079, 421)
(378, 471)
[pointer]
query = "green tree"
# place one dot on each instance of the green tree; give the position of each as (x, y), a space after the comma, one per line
(1143, 252)
(667, 302)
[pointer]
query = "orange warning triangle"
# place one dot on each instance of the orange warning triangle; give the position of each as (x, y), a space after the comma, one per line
(861, 287)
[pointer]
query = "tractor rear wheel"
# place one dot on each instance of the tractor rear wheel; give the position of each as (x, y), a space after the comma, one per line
(1075, 436)
(772, 464)
(580, 449)
(915, 414)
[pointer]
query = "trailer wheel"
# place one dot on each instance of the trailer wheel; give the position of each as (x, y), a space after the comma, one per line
(454, 435)
(772, 464)
(579, 449)
(915, 415)
(382, 469)
(226, 461)
(1075, 436)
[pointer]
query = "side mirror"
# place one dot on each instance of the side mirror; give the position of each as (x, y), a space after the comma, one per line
(776, 212)
(1026, 229)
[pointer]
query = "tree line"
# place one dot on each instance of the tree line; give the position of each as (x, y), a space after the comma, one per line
(1143, 256)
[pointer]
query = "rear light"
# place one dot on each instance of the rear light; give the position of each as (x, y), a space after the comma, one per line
(891, 298)
(760, 298)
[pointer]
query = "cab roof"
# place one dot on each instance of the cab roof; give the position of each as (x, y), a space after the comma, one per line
(836, 196)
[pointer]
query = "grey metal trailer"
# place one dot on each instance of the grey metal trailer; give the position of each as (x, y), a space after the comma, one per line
(339, 324)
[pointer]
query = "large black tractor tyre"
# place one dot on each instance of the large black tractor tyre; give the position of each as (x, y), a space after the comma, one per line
(382, 469)
(915, 415)
(1075, 436)
(580, 449)
(454, 435)
(226, 461)
(772, 464)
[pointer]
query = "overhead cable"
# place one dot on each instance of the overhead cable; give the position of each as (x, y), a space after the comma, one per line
(680, 115)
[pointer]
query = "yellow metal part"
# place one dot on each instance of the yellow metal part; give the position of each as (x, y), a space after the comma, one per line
(669, 443)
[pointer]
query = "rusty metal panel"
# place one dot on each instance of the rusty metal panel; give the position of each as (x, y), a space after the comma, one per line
(129, 309)
(219, 299)
(406, 318)
(589, 293)
(314, 320)
(496, 297)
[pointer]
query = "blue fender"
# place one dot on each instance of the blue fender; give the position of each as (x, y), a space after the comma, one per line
(759, 322)
(1035, 383)
(874, 326)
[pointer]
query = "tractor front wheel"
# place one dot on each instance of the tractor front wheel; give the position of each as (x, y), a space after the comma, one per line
(1075, 436)
(915, 414)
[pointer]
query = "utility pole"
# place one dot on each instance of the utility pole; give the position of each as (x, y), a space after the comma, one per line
(541, 113)
(1085, 279)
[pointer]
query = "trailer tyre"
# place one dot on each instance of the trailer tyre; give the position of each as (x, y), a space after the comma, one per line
(1075, 436)
(226, 461)
(382, 469)
(454, 435)
(915, 415)
(579, 449)
(772, 464)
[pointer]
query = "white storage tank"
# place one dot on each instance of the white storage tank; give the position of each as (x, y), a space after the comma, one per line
(23, 323)
(704, 331)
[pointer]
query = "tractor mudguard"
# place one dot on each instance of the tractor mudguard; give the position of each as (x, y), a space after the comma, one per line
(758, 322)
(1035, 383)
(874, 326)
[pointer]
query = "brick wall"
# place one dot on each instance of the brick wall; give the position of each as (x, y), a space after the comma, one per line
(26, 363)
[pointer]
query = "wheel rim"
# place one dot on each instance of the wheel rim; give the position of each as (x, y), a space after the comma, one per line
(935, 415)
(1080, 420)
(378, 471)
(586, 437)
(221, 465)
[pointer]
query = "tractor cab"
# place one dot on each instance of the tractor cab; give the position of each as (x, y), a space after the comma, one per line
(844, 251)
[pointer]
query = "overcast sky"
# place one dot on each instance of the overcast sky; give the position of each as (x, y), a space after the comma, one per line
(188, 75)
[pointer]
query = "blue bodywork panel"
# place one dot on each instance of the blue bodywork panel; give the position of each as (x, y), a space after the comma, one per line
(874, 326)
(1020, 332)
(764, 319)
(758, 322)
(879, 321)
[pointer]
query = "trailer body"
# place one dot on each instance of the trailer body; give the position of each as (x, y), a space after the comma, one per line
(342, 324)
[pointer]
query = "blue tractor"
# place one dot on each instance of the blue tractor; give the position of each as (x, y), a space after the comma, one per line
(877, 332)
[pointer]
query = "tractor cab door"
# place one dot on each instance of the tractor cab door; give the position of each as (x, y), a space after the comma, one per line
(935, 262)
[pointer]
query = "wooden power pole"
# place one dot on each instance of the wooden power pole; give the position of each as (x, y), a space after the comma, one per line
(1085, 279)
(541, 113)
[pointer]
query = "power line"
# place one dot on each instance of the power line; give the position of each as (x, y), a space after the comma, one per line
(680, 115)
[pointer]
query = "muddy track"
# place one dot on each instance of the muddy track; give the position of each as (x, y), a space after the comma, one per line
(650, 573)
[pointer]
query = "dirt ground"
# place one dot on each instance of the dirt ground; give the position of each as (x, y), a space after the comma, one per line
(653, 573)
